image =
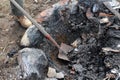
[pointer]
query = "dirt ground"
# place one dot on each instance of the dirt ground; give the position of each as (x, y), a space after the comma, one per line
(11, 33)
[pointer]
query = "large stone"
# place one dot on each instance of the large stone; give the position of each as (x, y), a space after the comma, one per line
(32, 37)
(33, 63)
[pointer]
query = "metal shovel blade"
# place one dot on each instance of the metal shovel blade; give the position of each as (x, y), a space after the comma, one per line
(66, 48)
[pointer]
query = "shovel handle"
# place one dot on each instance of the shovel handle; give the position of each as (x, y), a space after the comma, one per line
(36, 24)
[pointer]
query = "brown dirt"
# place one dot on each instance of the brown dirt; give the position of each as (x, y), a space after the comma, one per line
(11, 33)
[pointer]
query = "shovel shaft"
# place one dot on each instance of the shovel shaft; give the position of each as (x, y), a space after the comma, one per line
(35, 23)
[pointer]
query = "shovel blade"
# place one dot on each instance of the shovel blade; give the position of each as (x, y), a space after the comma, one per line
(66, 48)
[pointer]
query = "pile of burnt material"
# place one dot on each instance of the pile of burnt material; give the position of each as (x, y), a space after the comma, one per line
(90, 28)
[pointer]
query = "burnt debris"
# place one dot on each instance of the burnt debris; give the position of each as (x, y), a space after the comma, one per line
(91, 30)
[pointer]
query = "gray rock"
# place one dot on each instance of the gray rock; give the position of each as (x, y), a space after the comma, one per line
(33, 63)
(115, 4)
(78, 67)
(60, 75)
(104, 20)
(32, 37)
(95, 8)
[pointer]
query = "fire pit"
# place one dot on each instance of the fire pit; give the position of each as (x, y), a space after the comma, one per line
(91, 28)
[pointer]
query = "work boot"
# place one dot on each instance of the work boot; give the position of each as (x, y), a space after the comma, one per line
(24, 21)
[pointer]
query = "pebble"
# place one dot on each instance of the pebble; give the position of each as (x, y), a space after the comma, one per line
(95, 8)
(59, 75)
(76, 42)
(51, 72)
(78, 67)
(104, 20)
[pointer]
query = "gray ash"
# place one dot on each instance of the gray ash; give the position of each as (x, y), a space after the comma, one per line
(88, 55)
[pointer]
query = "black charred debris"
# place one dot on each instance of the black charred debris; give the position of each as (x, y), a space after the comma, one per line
(91, 28)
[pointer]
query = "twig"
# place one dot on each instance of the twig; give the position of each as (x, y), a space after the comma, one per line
(108, 49)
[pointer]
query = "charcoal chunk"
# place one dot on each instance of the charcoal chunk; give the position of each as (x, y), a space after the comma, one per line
(113, 33)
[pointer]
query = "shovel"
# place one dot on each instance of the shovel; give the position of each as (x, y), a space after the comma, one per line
(40, 28)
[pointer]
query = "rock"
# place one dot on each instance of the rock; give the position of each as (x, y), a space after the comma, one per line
(59, 75)
(33, 63)
(32, 37)
(104, 20)
(78, 67)
(73, 6)
(95, 8)
(115, 4)
(51, 72)
(76, 42)
(114, 71)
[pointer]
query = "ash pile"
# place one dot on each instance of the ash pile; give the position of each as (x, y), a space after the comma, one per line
(89, 32)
